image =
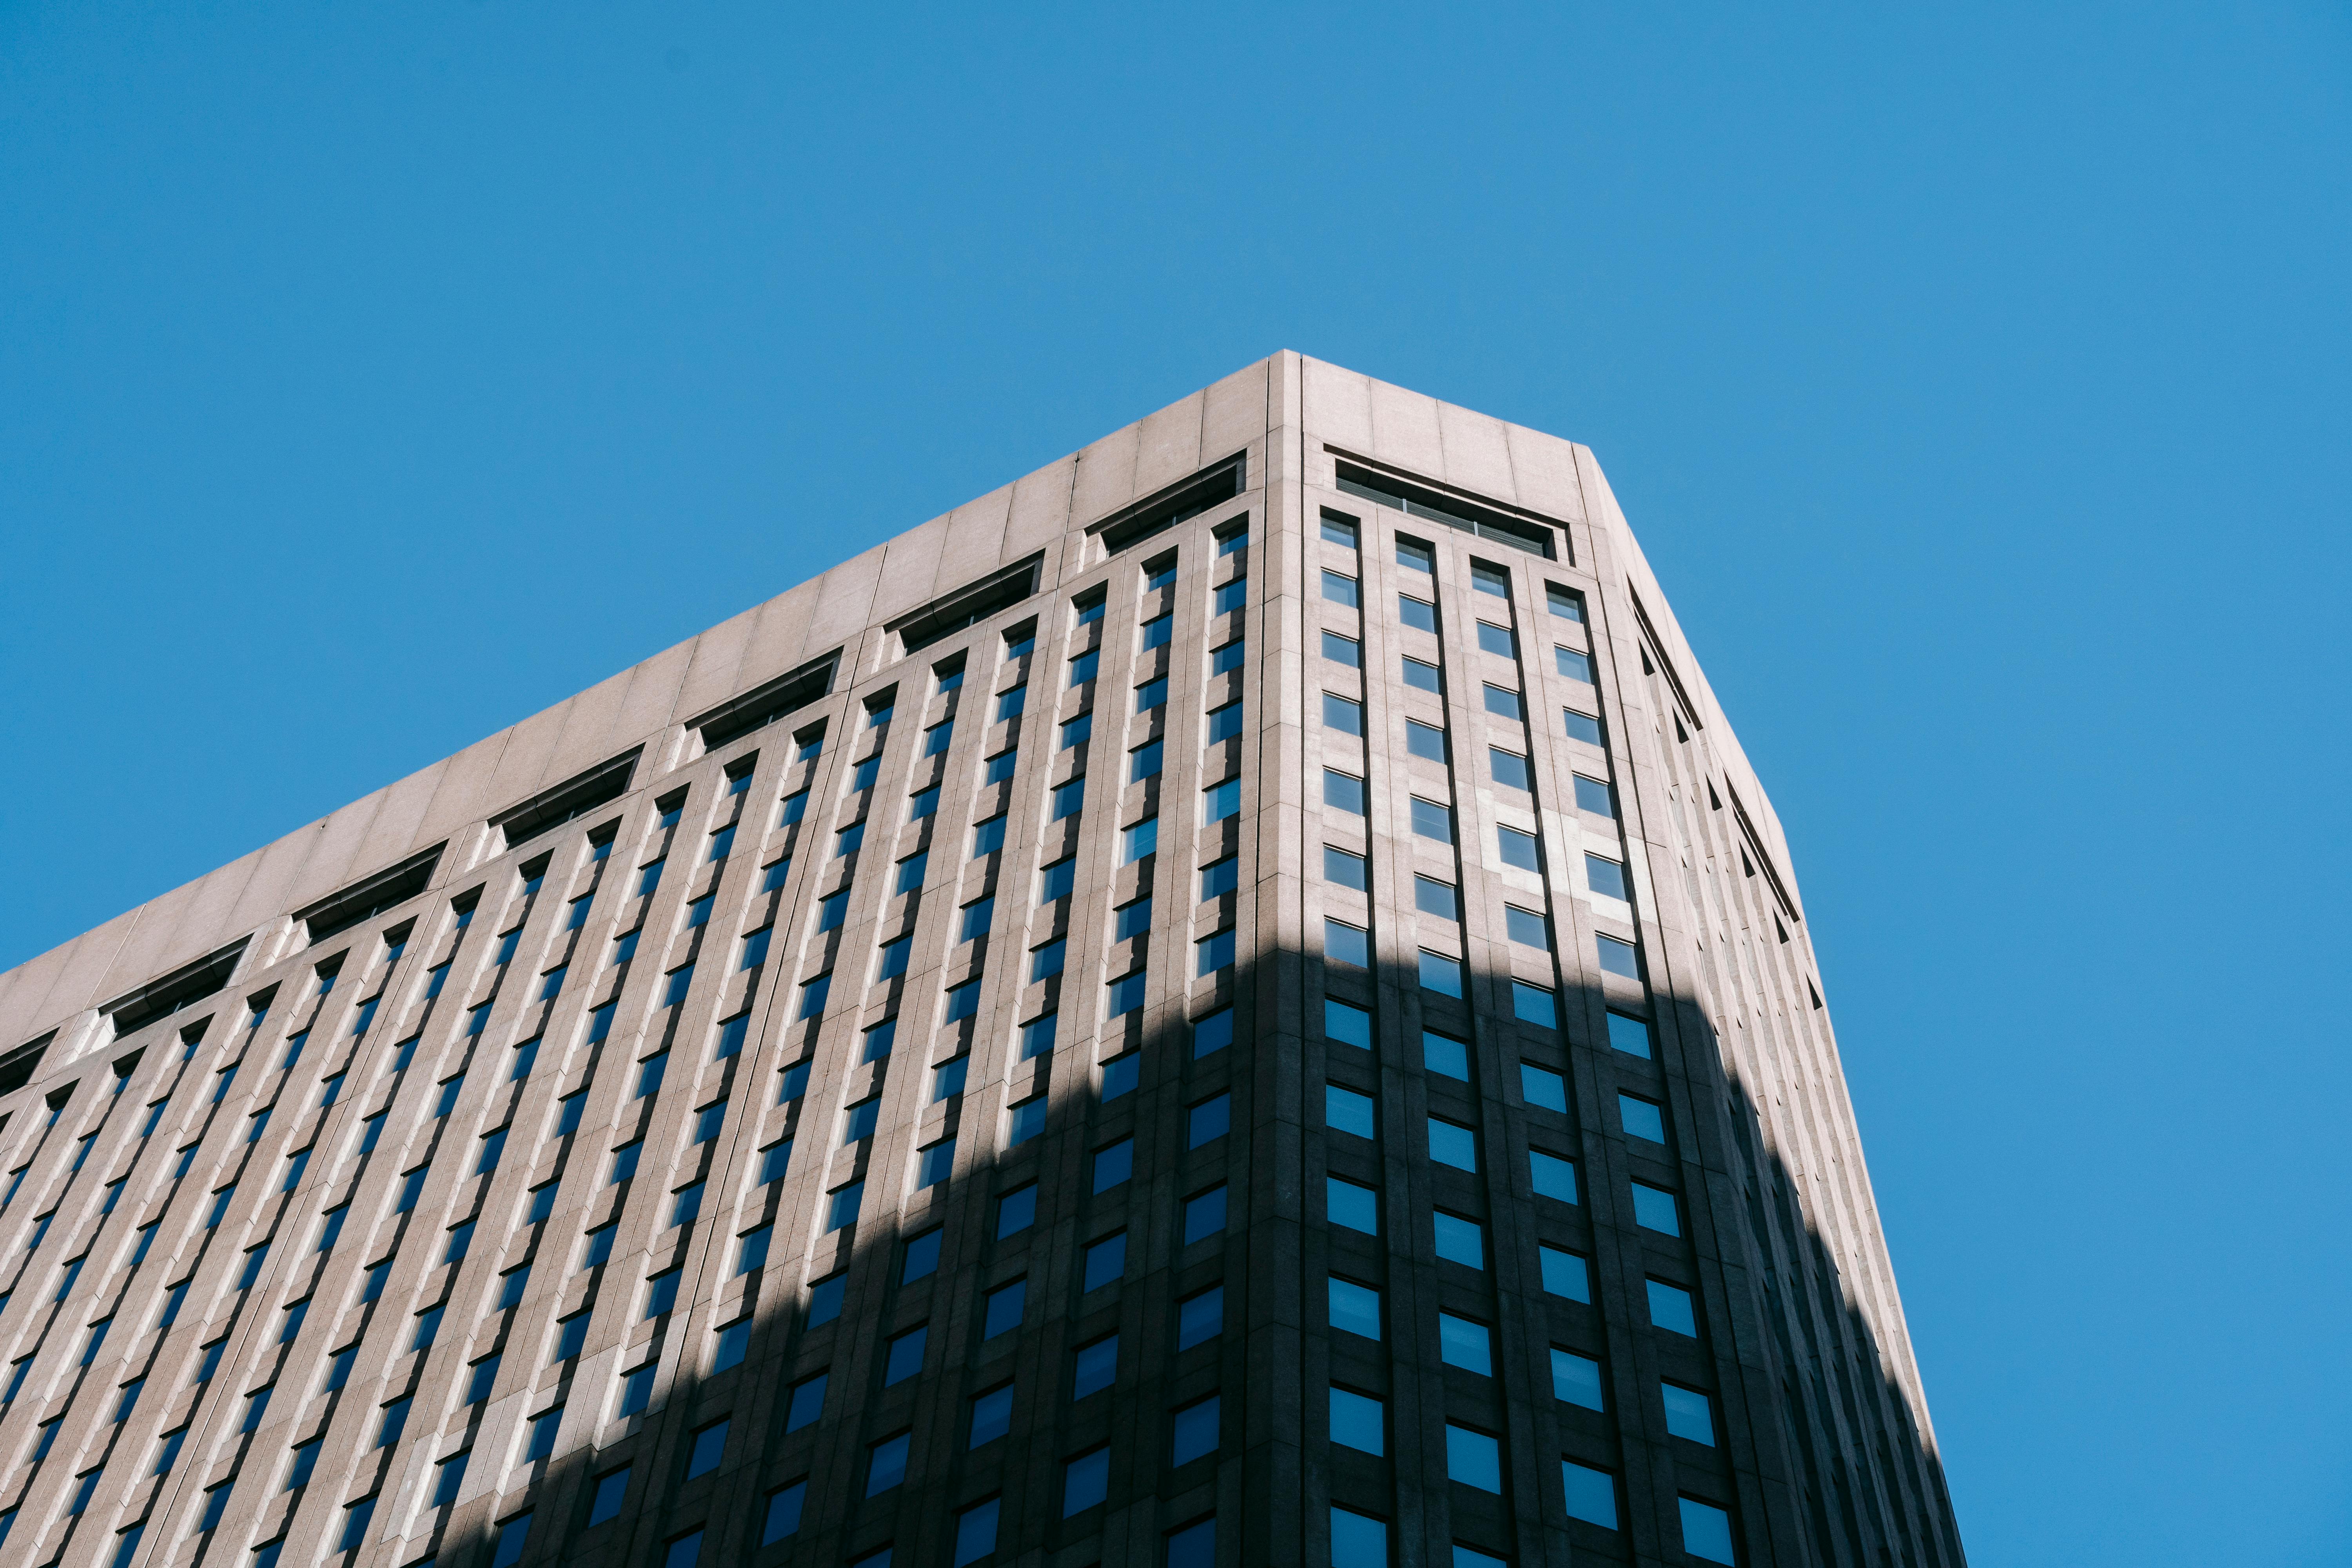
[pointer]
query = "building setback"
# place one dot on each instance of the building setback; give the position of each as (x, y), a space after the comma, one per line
(1234, 1001)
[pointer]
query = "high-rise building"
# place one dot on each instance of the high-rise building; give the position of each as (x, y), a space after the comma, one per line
(1231, 1002)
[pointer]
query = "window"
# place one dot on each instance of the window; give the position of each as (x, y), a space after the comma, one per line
(1143, 763)
(1113, 1163)
(1441, 973)
(1019, 640)
(1706, 1532)
(1077, 730)
(1424, 677)
(1606, 878)
(1157, 630)
(1543, 1088)
(1581, 726)
(571, 1335)
(1689, 1413)
(1355, 1309)
(1551, 1177)
(992, 1414)
(1086, 1481)
(1345, 1025)
(948, 1077)
(1082, 668)
(1593, 795)
(1194, 1431)
(707, 1452)
(1460, 1240)
(1418, 614)
(1591, 1494)
(1229, 597)
(1509, 769)
(1629, 1034)
(604, 1500)
(1343, 714)
(1445, 1055)
(1355, 1207)
(1017, 1211)
(1535, 1004)
(1576, 1379)
(1204, 1215)
(1120, 1074)
(1452, 1145)
(1527, 928)
(1215, 951)
(1212, 1033)
(1345, 943)
(1341, 589)
(977, 916)
(1224, 723)
(1349, 1111)
(975, 1535)
(1343, 650)
(1361, 1423)
(1488, 579)
(1000, 768)
(1503, 702)
(1565, 1274)
(1338, 529)
(1343, 792)
(783, 1519)
(755, 949)
(1125, 995)
(1106, 1261)
(1136, 842)
(1656, 1209)
(1201, 1317)
(1151, 694)
(1009, 704)
(1473, 1459)
(812, 997)
(1432, 820)
(794, 805)
(807, 1403)
(1096, 1368)
(923, 802)
(1518, 848)
(1431, 896)
(904, 1356)
(1425, 741)
(1641, 1119)
(841, 1205)
(1001, 1312)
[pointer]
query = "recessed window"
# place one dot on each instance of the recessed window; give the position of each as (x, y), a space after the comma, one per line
(1227, 658)
(1354, 1309)
(1082, 668)
(1575, 1380)
(1338, 529)
(1079, 729)
(1105, 1262)
(1157, 630)
(1551, 1177)
(1418, 614)
(1194, 1432)
(1518, 848)
(1689, 1413)
(1353, 1206)
(1431, 896)
(1345, 1025)
(1503, 702)
(1413, 554)
(1143, 763)
(1509, 769)
(1450, 1143)
(1345, 1111)
(1581, 726)
(1210, 1120)
(1706, 1532)
(1642, 1118)
(1343, 650)
(1466, 1344)
(1656, 1209)
(1423, 676)
(1445, 1055)
(1441, 973)
(1573, 665)
(1345, 944)
(1496, 639)
(1358, 1422)
(1001, 1311)
(1225, 722)
(922, 804)
(1229, 597)
(1565, 1274)
(987, 838)
(1086, 1482)
(1607, 878)
(1424, 741)
(1219, 878)
(992, 1414)
(1097, 1367)
(1543, 1088)
(1345, 868)
(1343, 792)
(1595, 797)
(1200, 1318)
(1139, 840)
(1488, 579)
(1339, 588)
(903, 1358)
(1617, 956)
(1432, 820)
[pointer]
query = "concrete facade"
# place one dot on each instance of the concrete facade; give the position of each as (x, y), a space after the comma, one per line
(640, 1139)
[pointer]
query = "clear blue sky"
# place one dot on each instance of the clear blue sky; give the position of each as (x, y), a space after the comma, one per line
(372, 376)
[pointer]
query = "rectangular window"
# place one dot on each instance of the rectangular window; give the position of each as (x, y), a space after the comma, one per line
(1113, 1164)
(1136, 841)
(1354, 1309)
(1345, 1111)
(1423, 676)
(1214, 952)
(1201, 1317)
(1431, 896)
(1543, 1088)
(1629, 1034)
(1617, 957)
(1037, 1036)
(1151, 694)
(1344, 714)
(1573, 665)
(1157, 631)
(1432, 820)
(1606, 878)
(1503, 702)
(1341, 589)
(1593, 795)
(1581, 726)
(1343, 650)
(1105, 1262)
(1656, 1209)
(1343, 792)
(1441, 973)
(987, 838)
(1077, 730)
(1229, 597)
(1551, 1177)
(1355, 1207)
(1082, 668)
(1508, 769)
(1346, 1026)
(1565, 1274)
(1001, 1311)
(1418, 614)
(1345, 944)
(1228, 657)
(1338, 529)
(1009, 704)
(1518, 848)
